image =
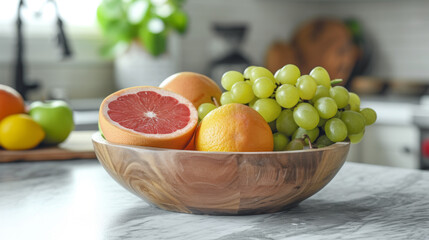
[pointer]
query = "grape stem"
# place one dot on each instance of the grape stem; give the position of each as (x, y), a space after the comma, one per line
(309, 141)
(216, 103)
(336, 81)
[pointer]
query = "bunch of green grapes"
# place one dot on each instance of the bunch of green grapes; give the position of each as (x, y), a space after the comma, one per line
(300, 109)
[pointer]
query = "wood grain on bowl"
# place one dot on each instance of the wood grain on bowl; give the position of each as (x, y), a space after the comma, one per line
(220, 183)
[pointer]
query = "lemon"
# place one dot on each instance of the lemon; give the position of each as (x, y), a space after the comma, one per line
(20, 132)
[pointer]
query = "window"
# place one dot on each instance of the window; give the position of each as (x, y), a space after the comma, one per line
(79, 16)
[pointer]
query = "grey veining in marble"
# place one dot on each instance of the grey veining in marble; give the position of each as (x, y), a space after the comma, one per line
(78, 200)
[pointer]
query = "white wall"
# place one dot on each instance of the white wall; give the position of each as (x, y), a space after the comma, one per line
(399, 30)
(85, 75)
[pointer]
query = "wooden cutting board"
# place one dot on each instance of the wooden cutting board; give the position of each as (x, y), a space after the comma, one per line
(327, 43)
(77, 146)
(319, 42)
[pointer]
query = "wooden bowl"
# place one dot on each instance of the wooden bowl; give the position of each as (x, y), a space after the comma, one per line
(220, 183)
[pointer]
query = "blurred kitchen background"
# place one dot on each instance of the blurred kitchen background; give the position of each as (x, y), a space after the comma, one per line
(388, 65)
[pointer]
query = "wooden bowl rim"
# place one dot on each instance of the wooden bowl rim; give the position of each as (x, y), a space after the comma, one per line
(96, 137)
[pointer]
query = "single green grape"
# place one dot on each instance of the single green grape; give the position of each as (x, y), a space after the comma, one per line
(226, 98)
(280, 141)
(356, 138)
(306, 116)
(321, 76)
(247, 71)
(354, 121)
(306, 87)
(323, 141)
(242, 92)
(295, 144)
(336, 130)
(370, 115)
(285, 123)
(263, 87)
(287, 95)
(268, 108)
(258, 72)
(354, 102)
(288, 74)
(312, 134)
(230, 78)
(321, 91)
(326, 106)
(340, 95)
(204, 109)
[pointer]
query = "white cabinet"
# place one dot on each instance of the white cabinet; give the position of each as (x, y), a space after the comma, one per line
(389, 145)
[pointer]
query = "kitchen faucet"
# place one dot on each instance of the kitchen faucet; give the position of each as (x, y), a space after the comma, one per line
(20, 81)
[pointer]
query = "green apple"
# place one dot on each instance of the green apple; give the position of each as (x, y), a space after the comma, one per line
(56, 119)
(99, 129)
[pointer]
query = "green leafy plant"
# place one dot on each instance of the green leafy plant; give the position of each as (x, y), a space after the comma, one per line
(146, 21)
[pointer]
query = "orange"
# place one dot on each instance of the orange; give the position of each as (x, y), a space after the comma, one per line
(148, 116)
(234, 128)
(20, 132)
(11, 102)
(196, 87)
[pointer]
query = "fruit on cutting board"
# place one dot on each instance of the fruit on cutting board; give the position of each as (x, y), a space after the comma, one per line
(20, 132)
(56, 119)
(148, 116)
(11, 102)
(196, 87)
(234, 128)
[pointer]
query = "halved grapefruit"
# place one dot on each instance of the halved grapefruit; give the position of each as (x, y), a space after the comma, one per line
(148, 116)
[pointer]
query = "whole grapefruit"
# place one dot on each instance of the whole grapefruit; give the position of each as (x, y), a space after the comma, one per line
(196, 87)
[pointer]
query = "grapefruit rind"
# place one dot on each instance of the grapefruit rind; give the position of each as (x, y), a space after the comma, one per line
(116, 133)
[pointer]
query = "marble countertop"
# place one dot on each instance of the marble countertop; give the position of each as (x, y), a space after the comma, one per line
(78, 200)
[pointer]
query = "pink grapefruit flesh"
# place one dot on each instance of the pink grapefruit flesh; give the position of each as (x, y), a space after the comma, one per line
(148, 116)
